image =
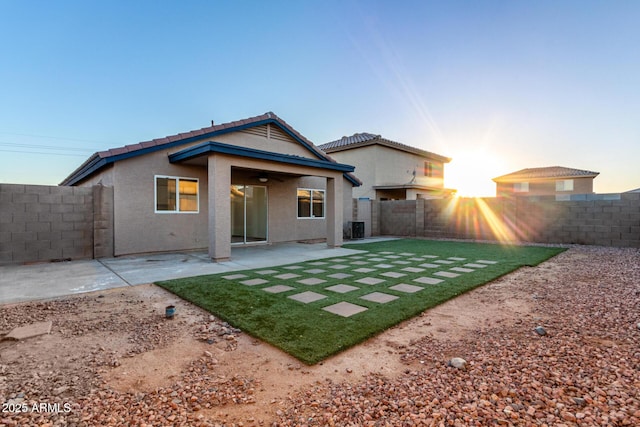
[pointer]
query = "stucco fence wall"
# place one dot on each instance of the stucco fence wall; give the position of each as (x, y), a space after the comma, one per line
(48, 223)
(608, 221)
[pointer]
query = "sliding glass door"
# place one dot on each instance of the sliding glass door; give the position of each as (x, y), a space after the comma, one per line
(248, 213)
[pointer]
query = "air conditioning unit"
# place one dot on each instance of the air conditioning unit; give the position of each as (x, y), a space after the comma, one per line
(357, 229)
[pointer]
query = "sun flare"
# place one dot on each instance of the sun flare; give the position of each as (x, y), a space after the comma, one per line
(470, 173)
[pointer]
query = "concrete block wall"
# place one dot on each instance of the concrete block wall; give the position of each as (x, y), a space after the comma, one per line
(540, 219)
(48, 223)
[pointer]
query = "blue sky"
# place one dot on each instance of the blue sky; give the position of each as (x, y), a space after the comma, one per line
(496, 85)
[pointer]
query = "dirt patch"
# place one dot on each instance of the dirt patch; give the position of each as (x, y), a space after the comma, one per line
(111, 349)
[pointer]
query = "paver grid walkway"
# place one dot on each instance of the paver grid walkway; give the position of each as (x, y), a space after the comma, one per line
(388, 275)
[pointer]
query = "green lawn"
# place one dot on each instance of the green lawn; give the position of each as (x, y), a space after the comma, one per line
(312, 334)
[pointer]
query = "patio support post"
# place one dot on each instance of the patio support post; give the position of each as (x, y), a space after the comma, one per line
(333, 212)
(219, 208)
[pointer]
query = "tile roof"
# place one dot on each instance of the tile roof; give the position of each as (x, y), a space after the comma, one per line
(363, 139)
(102, 159)
(549, 172)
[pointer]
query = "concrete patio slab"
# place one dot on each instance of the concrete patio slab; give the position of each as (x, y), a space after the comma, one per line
(20, 283)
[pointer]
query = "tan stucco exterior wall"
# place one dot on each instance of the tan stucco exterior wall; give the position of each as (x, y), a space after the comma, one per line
(139, 229)
(380, 165)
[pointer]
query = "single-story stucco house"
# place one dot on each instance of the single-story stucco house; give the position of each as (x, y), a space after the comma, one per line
(250, 181)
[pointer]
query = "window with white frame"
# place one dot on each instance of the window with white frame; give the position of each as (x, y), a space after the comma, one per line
(564, 185)
(310, 203)
(520, 187)
(176, 195)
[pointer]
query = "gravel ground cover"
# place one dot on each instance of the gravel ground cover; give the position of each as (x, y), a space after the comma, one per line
(584, 371)
(111, 359)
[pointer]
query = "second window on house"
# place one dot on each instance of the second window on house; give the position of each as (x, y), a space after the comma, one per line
(310, 203)
(174, 195)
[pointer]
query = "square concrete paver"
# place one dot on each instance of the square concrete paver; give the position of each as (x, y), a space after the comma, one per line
(342, 289)
(364, 270)
(359, 263)
(401, 262)
(409, 289)
(293, 267)
(234, 276)
(339, 275)
(377, 259)
(445, 274)
(430, 256)
(407, 254)
(379, 297)
(413, 269)
(287, 276)
(277, 289)
(462, 270)
(311, 281)
(254, 282)
(386, 252)
(370, 281)
(266, 271)
(427, 280)
(307, 297)
(318, 263)
(345, 309)
(484, 261)
(453, 258)
(384, 266)
(472, 265)
(315, 271)
(443, 261)
(339, 266)
(429, 265)
(393, 274)
(415, 259)
(393, 256)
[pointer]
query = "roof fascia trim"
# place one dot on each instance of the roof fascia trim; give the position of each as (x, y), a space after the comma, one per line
(93, 167)
(234, 150)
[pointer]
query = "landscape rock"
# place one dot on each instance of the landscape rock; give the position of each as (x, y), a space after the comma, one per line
(457, 362)
(540, 331)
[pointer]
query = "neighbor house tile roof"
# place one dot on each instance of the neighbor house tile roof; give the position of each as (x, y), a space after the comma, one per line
(363, 139)
(102, 159)
(550, 172)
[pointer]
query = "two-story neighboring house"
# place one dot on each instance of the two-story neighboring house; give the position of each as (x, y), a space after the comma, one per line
(390, 170)
(553, 180)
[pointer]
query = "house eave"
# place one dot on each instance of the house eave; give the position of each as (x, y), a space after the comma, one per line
(212, 147)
